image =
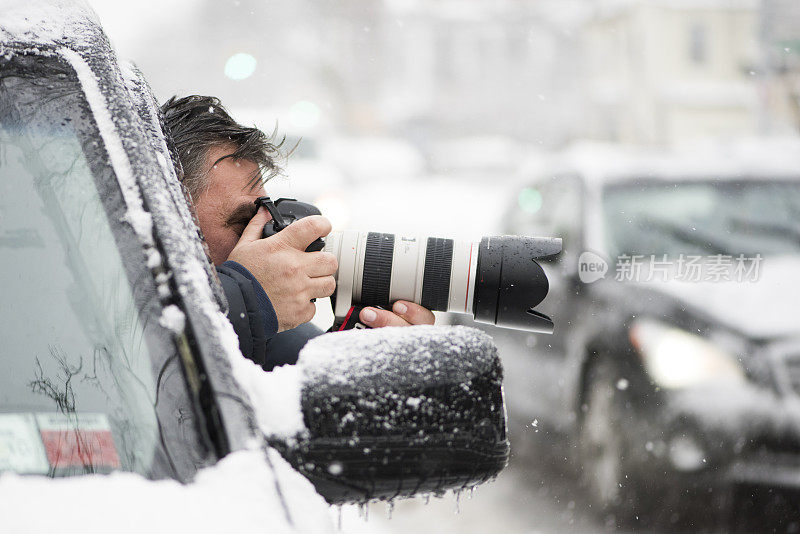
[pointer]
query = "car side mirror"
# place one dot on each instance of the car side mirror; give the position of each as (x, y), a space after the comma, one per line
(399, 411)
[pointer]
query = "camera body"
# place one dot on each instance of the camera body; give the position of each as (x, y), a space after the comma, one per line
(497, 280)
(284, 212)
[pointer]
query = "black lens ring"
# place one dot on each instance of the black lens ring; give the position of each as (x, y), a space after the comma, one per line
(487, 279)
(377, 277)
(436, 276)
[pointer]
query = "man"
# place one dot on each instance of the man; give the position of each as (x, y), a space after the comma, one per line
(269, 282)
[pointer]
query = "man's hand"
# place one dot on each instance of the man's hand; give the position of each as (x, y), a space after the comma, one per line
(403, 313)
(290, 276)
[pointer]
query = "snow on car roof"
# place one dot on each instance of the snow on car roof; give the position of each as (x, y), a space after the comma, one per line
(64, 22)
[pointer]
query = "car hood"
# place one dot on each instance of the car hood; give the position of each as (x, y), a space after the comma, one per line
(768, 307)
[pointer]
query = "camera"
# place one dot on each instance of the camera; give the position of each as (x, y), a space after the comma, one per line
(498, 280)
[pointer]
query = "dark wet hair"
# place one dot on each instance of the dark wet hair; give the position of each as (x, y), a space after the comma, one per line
(199, 123)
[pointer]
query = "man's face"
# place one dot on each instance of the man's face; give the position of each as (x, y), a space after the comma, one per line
(226, 206)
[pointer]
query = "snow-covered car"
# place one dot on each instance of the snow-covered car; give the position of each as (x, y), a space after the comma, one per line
(676, 378)
(118, 359)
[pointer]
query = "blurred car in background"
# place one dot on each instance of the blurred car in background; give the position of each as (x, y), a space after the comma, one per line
(674, 384)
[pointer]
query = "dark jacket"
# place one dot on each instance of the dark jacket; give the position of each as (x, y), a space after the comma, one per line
(254, 320)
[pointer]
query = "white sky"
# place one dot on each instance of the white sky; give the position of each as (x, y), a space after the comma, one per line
(124, 22)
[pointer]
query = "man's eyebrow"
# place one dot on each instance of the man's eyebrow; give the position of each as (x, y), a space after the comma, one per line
(244, 211)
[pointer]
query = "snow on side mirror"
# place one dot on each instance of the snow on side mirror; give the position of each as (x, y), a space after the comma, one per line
(396, 412)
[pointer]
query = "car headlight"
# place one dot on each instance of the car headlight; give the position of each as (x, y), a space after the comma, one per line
(675, 358)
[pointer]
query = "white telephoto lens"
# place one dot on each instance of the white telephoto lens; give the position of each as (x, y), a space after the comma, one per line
(377, 269)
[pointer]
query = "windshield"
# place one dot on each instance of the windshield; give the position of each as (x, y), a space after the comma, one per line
(82, 358)
(705, 218)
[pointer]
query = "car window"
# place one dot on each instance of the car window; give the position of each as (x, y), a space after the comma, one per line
(86, 364)
(706, 218)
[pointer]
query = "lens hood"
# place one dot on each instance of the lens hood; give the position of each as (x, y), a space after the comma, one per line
(511, 283)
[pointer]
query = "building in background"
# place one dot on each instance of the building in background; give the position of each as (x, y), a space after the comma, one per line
(667, 72)
(422, 70)
(511, 75)
(780, 65)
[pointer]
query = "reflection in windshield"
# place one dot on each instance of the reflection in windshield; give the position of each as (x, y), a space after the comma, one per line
(720, 217)
(78, 393)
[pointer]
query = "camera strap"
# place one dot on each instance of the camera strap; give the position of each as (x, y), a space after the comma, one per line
(350, 320)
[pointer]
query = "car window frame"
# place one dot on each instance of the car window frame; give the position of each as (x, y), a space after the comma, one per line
(141, 279)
